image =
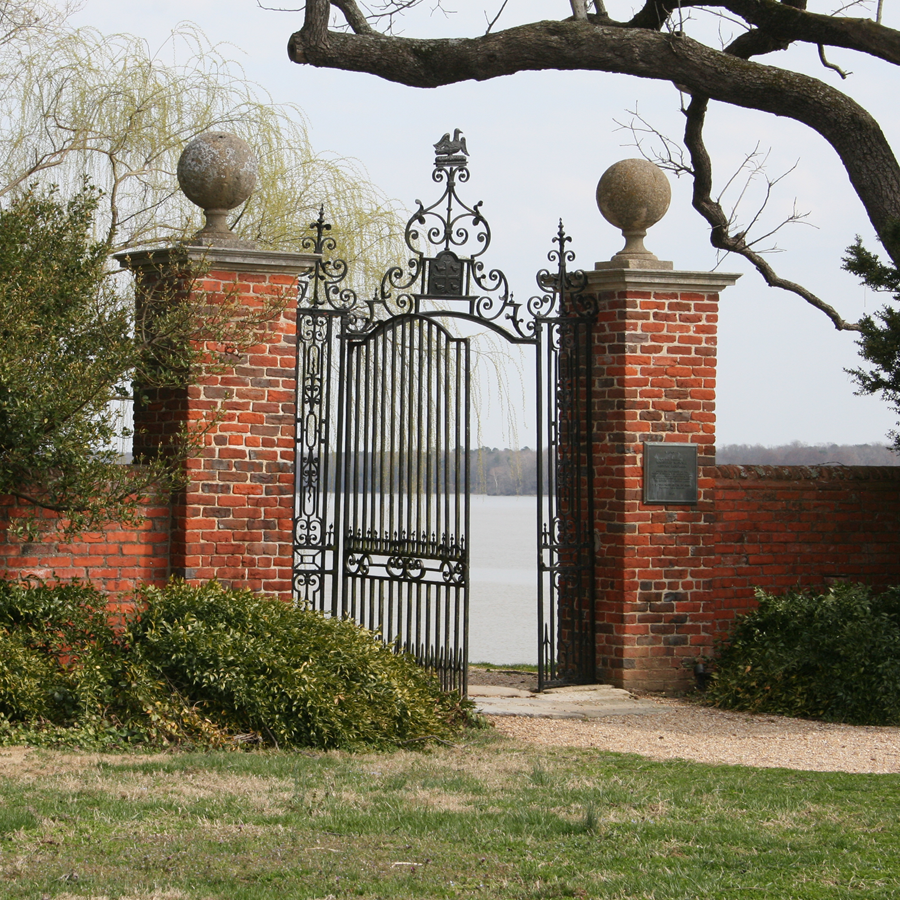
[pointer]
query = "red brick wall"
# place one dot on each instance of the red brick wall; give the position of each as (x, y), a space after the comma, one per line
(234, 520)
(778, 527)
(669, 578)
(115, 559)
(683, 574)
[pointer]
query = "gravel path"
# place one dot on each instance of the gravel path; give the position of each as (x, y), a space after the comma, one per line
(683, 730)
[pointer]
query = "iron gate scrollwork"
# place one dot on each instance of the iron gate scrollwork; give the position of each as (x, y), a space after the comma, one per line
(381, 513)
(323, 304)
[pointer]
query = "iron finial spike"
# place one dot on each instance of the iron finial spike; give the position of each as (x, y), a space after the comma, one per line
(320, 226)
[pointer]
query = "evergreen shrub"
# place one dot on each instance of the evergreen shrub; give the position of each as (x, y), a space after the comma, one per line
(832, 654)
(205, 666)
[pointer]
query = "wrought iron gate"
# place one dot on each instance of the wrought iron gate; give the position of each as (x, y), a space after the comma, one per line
(381, 510)
(405, 490)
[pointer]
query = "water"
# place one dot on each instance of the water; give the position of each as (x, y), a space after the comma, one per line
(503, 592)
(503, 580)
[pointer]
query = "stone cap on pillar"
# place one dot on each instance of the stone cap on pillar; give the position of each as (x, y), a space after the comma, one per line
(219, 259)
(619, 279)
(217, 171)
(633, 195)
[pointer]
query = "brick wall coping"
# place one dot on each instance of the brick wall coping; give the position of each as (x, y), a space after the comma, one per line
(807, 473)
(221, 259)
(659, 280)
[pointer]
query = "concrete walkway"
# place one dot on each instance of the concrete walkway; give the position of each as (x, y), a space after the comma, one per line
(591, 701)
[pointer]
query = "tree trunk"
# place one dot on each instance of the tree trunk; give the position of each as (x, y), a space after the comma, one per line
(849, 129)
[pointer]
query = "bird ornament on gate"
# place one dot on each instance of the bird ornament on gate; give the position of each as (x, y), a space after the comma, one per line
(451, 151)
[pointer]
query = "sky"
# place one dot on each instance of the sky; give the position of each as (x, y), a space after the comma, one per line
(538, 144)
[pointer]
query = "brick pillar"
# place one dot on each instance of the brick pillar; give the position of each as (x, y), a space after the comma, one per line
(654, 381)
(233, 520)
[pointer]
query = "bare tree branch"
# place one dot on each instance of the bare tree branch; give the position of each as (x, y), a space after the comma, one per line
(493, 21)
(854, 134)
(787, 22)
(830, 65)
(653, 45)
(720, 236)
(671, 158)
(315, 26)
(354, 16)
(579, 9)
(390, 9)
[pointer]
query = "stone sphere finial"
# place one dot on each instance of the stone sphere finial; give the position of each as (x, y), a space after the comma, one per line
(633, 195)
(217, 171)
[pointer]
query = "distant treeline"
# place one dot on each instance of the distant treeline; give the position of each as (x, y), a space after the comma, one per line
(797, 454)
(511, 472)
(514, 471)
(504, 472)
(491, 471)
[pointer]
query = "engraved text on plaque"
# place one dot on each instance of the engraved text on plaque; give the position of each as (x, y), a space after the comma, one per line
(670, 473)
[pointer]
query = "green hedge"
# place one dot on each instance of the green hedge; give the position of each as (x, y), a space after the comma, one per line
(205, 666)
(832, 655)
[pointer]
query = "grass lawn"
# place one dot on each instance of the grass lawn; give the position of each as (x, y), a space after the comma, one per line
(488, 818)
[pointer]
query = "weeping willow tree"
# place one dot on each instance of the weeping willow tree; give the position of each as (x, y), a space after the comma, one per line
(91, 129)
(76, 103)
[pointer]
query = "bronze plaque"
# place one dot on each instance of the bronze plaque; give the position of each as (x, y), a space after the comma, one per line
(670, 473)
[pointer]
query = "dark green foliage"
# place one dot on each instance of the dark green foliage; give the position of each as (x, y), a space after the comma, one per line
(255, 664)
(879, 342)
(72, 347)
(204, 666)
(52, 642)
(833, 655)
(67, 351)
